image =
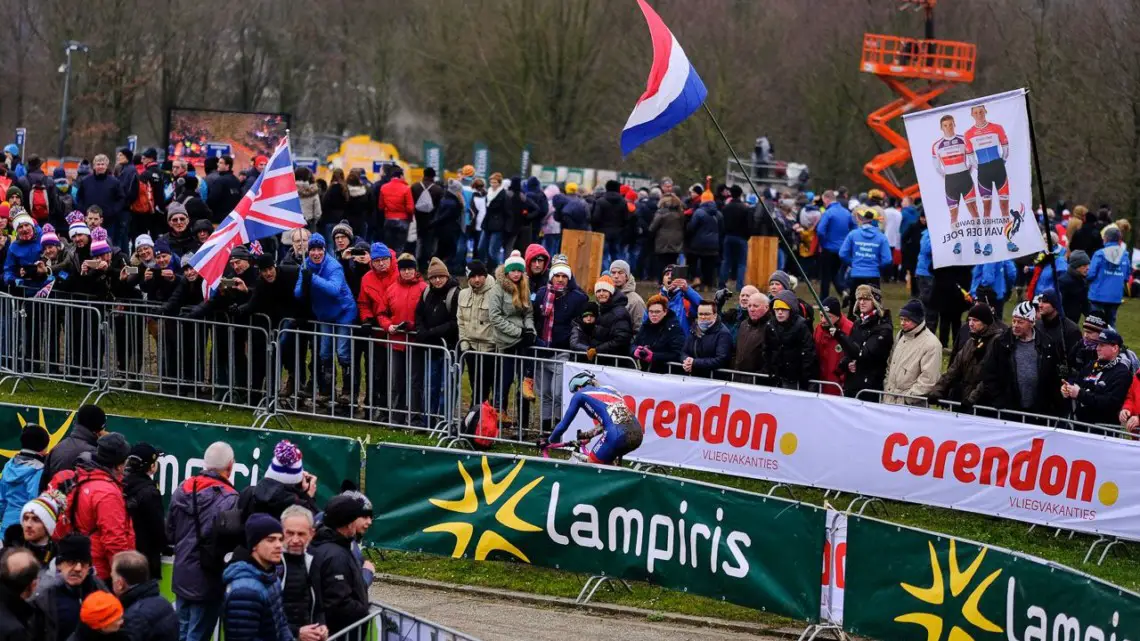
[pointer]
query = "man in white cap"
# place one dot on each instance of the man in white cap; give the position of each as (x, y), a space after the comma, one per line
(37, 525)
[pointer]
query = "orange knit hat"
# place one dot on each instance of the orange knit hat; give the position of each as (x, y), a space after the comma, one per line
(100, 610)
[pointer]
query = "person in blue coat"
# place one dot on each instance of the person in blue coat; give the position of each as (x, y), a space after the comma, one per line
(703, 246)
(323, 286)
(924, 274)
(832, 230)
(683, 300)
(20, 481)
(22, 272)
(1107, 273)
(867, 251)
(253, 609)
(998, 278)
(1042, 270)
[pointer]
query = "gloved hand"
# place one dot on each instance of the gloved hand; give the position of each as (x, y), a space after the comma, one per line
(529, 336)
(543, 442)
(368, 327)
(637, 353)
(647, 355)
(933, 398)
(591, 353)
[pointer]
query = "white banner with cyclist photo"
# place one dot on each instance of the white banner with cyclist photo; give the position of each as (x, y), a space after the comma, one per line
(1053, 477)
(972, 160)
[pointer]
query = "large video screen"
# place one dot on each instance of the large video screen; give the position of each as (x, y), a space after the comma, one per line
(195, 134)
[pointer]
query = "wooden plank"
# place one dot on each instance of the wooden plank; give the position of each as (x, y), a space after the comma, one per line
(763, 254)
(584, 250)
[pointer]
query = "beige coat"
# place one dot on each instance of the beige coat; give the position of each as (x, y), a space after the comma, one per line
(475, 330)
(634, 303)
(916, 362)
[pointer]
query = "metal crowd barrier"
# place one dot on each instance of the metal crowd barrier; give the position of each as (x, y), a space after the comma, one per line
(499, 379)
(758, 379)
(54, 340)
(335, 371)
(386, 623)
(212, 361)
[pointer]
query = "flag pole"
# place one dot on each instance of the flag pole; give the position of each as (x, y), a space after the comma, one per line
(787, 246)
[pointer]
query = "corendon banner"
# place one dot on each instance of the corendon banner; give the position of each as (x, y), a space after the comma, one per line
(972, 162)
(1057, 478)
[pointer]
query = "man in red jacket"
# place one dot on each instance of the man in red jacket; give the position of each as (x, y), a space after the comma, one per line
(397, 209)
(100, 509)
(398, 319)
(370, 303)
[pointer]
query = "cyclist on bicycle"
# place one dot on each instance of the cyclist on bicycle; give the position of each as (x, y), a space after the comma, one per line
(620, 429)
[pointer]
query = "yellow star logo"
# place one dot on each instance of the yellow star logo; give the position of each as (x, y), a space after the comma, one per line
(56, 436)
(489, 540)
(935, 595)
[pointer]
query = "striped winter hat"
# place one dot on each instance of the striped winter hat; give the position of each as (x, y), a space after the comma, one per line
(286, 466)
(99, 244)
(77, 224)
(46, 507)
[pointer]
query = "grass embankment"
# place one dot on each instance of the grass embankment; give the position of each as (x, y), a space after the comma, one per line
(1121, 567)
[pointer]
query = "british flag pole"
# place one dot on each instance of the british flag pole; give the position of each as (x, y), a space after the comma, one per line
(270, 207)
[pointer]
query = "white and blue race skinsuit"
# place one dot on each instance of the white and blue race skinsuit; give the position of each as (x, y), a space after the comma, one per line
(621, 431)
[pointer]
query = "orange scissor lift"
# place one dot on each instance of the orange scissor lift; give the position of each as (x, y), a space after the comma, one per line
(918, 71)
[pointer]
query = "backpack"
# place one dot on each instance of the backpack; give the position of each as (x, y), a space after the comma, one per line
(224, 537)
(68, 484)
(39, 205)
(424, 204)
(488, 426)
(144, 202)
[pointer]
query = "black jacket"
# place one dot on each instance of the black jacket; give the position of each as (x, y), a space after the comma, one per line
(1087, 238)
(152, 174)
(275, 299)
(737, 219)
(297, 591)
(710, 350)
(789, 352)
(338, 580)
(437, 315)
(144, 505)
(447, 223)
(63, 456)
(224, 194)
(614, 329)
(497, 216)
(665, 340)
(17, 617)
(869, 345)
(962, 380)
(186, 296)
(610, 215)
(1063, 333)
(181, 244)
(1074, 290)
(271, 497)
(158, 289)
(147, 615)
(999, 376)
(1104, 386)
(50, 597)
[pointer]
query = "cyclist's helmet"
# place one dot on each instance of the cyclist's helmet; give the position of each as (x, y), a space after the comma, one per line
(580, 380)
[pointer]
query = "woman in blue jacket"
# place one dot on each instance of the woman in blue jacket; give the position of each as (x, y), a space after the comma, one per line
(322, 284)
(1107, 273)
(703, 247)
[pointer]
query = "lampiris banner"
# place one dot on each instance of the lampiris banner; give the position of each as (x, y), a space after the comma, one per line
(745, 548)
(972, 160)
(904, 583)
(1053, 477)
(331, 459)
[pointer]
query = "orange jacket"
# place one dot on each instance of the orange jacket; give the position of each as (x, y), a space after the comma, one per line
(1132, 401)
(396, 200)
(402, 298)
(373, 294)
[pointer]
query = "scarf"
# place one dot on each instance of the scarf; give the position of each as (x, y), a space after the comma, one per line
(548, 316)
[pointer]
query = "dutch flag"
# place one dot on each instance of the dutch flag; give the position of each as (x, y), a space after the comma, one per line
(673, 92)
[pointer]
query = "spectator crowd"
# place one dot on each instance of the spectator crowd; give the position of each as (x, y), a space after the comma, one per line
(85, 531)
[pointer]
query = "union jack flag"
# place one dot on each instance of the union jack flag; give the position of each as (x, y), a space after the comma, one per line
(45, 291)
(271, 206)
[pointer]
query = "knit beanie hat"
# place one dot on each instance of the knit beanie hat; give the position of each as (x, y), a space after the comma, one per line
(983, 313)
(73, 547)
(786, 300)
(782, 278)
(144, 240)
(112, 449)
(359, 497)
(406, 261)
(92, 417)
(317, 241)
(265, 261)
(560, 264)
(260, 526)
(378, 251)
(241, 252)
(515, 263)
(46, 507)
(20, 216)
(14, 190)
(99, 244)
(100, 610)
(342, 510)
(621, 266)
(604, 283)
(1049, 296)
(162, 246)
(77, 224)
(476, 268)
(913, 311)
(286, 467)
(49, 237)
(1079, 258)
(437, 268)
(342, 229)
(590, 309)
(175, 208)
(1095, 324)
(831, 306)
(1025, 310)
(34, 438)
